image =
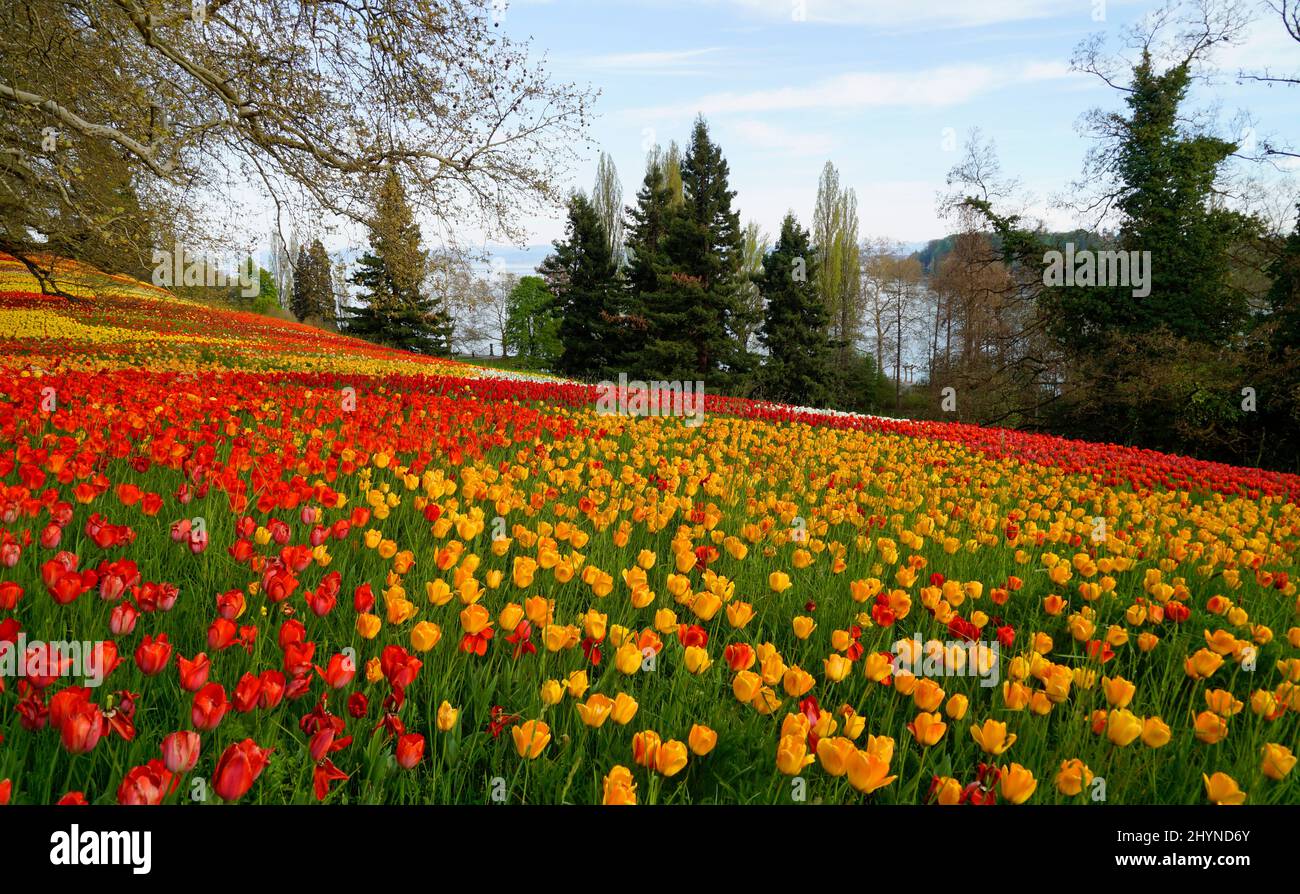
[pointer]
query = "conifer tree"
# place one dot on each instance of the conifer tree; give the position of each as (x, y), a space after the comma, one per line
(581, 274)
(794, 331)
(397, 308)
(691, 312)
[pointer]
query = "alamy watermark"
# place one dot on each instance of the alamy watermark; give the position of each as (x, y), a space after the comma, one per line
(636, 398)
(955, 658)
(50, 660)
(1086, 267)
(181, 268)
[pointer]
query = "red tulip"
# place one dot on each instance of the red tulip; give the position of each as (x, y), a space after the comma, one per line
(147, 784)
(152, 655)
(399, 666)
(181, 750)
(238, 769)
(122, 619)
(410, 750)
(271, 690)
(209, 706)
(222, 634)
(247, 691)
(81, 728)
(194, 673)
(339, 672)
(363, 599)
(10, 593)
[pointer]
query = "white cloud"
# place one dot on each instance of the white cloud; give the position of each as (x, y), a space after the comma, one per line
(660, 62)
(1266, 45)
(906, 14)
(945, 86)
(766, 137)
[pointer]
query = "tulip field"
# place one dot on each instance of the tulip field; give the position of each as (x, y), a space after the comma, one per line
(300, 568)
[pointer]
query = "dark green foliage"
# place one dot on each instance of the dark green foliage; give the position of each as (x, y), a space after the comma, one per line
(397, 307)
(581, 274)
(794, 331)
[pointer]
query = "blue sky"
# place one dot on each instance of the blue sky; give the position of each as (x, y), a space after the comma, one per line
(888, 91)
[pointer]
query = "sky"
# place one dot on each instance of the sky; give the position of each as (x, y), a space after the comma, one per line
(887, 91)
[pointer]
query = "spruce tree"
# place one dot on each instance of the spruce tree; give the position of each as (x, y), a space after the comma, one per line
(695, 298)
(397, 307)
(794, 331)
(647, 230)
(581, 274)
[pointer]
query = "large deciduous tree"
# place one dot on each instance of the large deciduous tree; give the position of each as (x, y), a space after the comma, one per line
(311, 101)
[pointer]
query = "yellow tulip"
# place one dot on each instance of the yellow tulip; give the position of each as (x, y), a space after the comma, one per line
(625, 708)
(1119, 692)
(531, 738)
(596, 710)
(627, 659)
(447, 716)
(619, 788)
(1155, 733)
(701, 739)
(1277, 761)
(792, 755)
(1222, 702)
(697, 660)
(425, 635)
(1122, 727)
(992, 737)
(671, 757)
(797, 682)
(1016, 784)
(834, 754)
(576, 683)
(368, 625)
(1203, 664)
(552, 692)
(1210, 727)
(1222, 789)
(868, 772)
(927, 729)
(946, 791)
(739, 614)
(1073, 777)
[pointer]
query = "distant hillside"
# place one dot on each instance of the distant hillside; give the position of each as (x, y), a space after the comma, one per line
(933, 251)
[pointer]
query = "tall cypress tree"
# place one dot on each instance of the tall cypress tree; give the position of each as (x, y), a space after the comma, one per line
(581, 274)
(303, 301)
(794, 330)
(321, 288)
(398, 309)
